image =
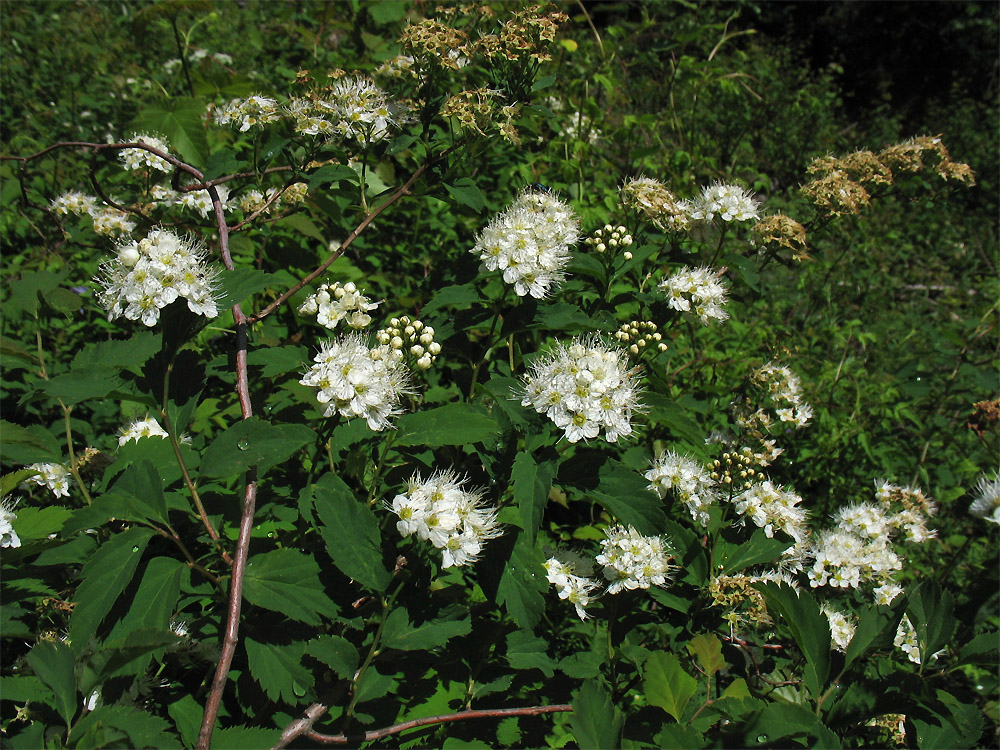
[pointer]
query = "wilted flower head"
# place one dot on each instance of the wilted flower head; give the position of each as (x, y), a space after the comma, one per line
(697, 290)
(570, 573)
(142, 428)
(333, 303)
(692, 484)
(148, 275)
(355, 381)
(53, 476)
(453, 519)
(633, 561)
(139, 158)
(8, 537)
(530, 243)
(657, 204)
(987, 503)
(584, 387)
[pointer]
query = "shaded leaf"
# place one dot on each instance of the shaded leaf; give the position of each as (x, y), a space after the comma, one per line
(287, 581)
(809, 628)
(53, 663)
(451, 424)
(337, 653)
(525, 650)
(532, 482)
(597, 724)
(253, 442)
(278, 669)
(708, 649)
(401, 634)
(350, 531)
(666, 684)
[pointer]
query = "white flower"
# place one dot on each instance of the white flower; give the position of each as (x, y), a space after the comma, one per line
(110, 222)
(352, 108)
(906, 640)
(148, 275)
(53, 476)
(842, 628)
(696, 290)
(200, 201)
(585, 388)
(142, 428)
(74, 202)
(530, 243)
(355, 381)
(987, 503)
(692, 484)
(8, 537)
(334, 303)
(727, 202)
(886, 593)
(571, 576)
(772, 508)
(842, 559)
(633, 561)
(254, 111)
(783, 389)
(441, 511)
(139, 158)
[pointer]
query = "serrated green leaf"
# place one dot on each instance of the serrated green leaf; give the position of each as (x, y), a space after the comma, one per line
(78, 386)
(253, 442)
(53, 663)
(241, 738)
(131, 352)
(279, 670)
(678, 737)
(400, 633)
(459, 295)
(451, 424)
(931, 612)
(779, 720)
(104, 577)
(332, 173)
(584, 264)
(337, 653)
(142, 489)
(373, 684)
(107, 726)
(277, 360)
(304, 226)
(25, 689)
(525, 650)
(731, 557)
(597, 723)
(622, 491)
(809, 627)
(708, 649)
(237, 285)
(666, 684)
(123, 656)
(220, 163)
(155, 599)
(522, 585)
(668, 413)
(179, 120)
(350, 531)
(465, 191)
(39, 523)
(532, 482)
(980, 650)
(27, 446)
(287, 581)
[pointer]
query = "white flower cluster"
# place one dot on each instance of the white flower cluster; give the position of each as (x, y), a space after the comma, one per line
(142, 428)
(784, 389)
(696, 290)
(254, 111)
(570, 573)
(584, 387)
(198, 201)
(8, 537)
(453, 519)
(108, 221)
(148, 275)
(352, 108)
(772, 508)
(844, 560)
(530, 243)
(906, 640)
(355, 381)
(333, 303)
(633, 561)
(842, 627)
(691, 482)
(53, 476)
(413, 339)
(609, 236)
(727, 202)
(639, 334)
(139, 158)
(255, 200)
(987, 503)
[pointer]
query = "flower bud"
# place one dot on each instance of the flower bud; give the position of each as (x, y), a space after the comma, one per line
(128, 256)
(434, 348)
(627, 255)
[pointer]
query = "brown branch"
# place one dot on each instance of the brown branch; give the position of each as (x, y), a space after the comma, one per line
(377, 734)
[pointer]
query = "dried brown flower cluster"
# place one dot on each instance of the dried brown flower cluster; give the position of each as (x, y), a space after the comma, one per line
(779, 231)
(843, 183)
(656, 203)
(986, 417)
(436, 42)
(527, 33)
(480, 110)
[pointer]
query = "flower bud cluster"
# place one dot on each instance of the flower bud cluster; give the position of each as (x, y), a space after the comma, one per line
(142, 428)
(108, 221)
(738, 469)
(412, 339)
(53, 476)
(633, 561)
(355, 381)
(570, 574)
(136, 159)
(333, 303)
(441, 511)
(584, 387)
(8, 537)
(641, 334)
(150, 274)
(688, 480)
(609, 236)
(254, 111)
(697, 290)
(530, 243)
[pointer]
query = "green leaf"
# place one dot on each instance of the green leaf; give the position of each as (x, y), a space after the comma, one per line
(337, 653)
(532, 482)
(872, 623)
(980, 650)
(465, 191)
(104, 577)
(931, 612)
(53, 663)
(746, 269)
(809, 628)
(25, 689)
(142, 489)
(115, 355)
(521, 589)
(253, 442)
(237, 285)
(779, 720)
(24, 293)
(678, 737)
(350, 531)
(373, 684)
(39, 523)
(77, 386)
(731, 557)
(954, 725)
(584, 264)
(383, 13)
(279, 670)
(562, 316)
(332, 173)
(451, 424)
(666, 684)
(525, 650)
(28, 446)
(597, 723)
(222, 162)
(621, 490)
(460, 295)
(180, 120)
(287, 581)
(673, 416)
(708, 649)
(155, 599)
(123, 726)
(277, 360)
(241, 738)
(399, 633)
(124, 656)
(63, 300)
(304, 226)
